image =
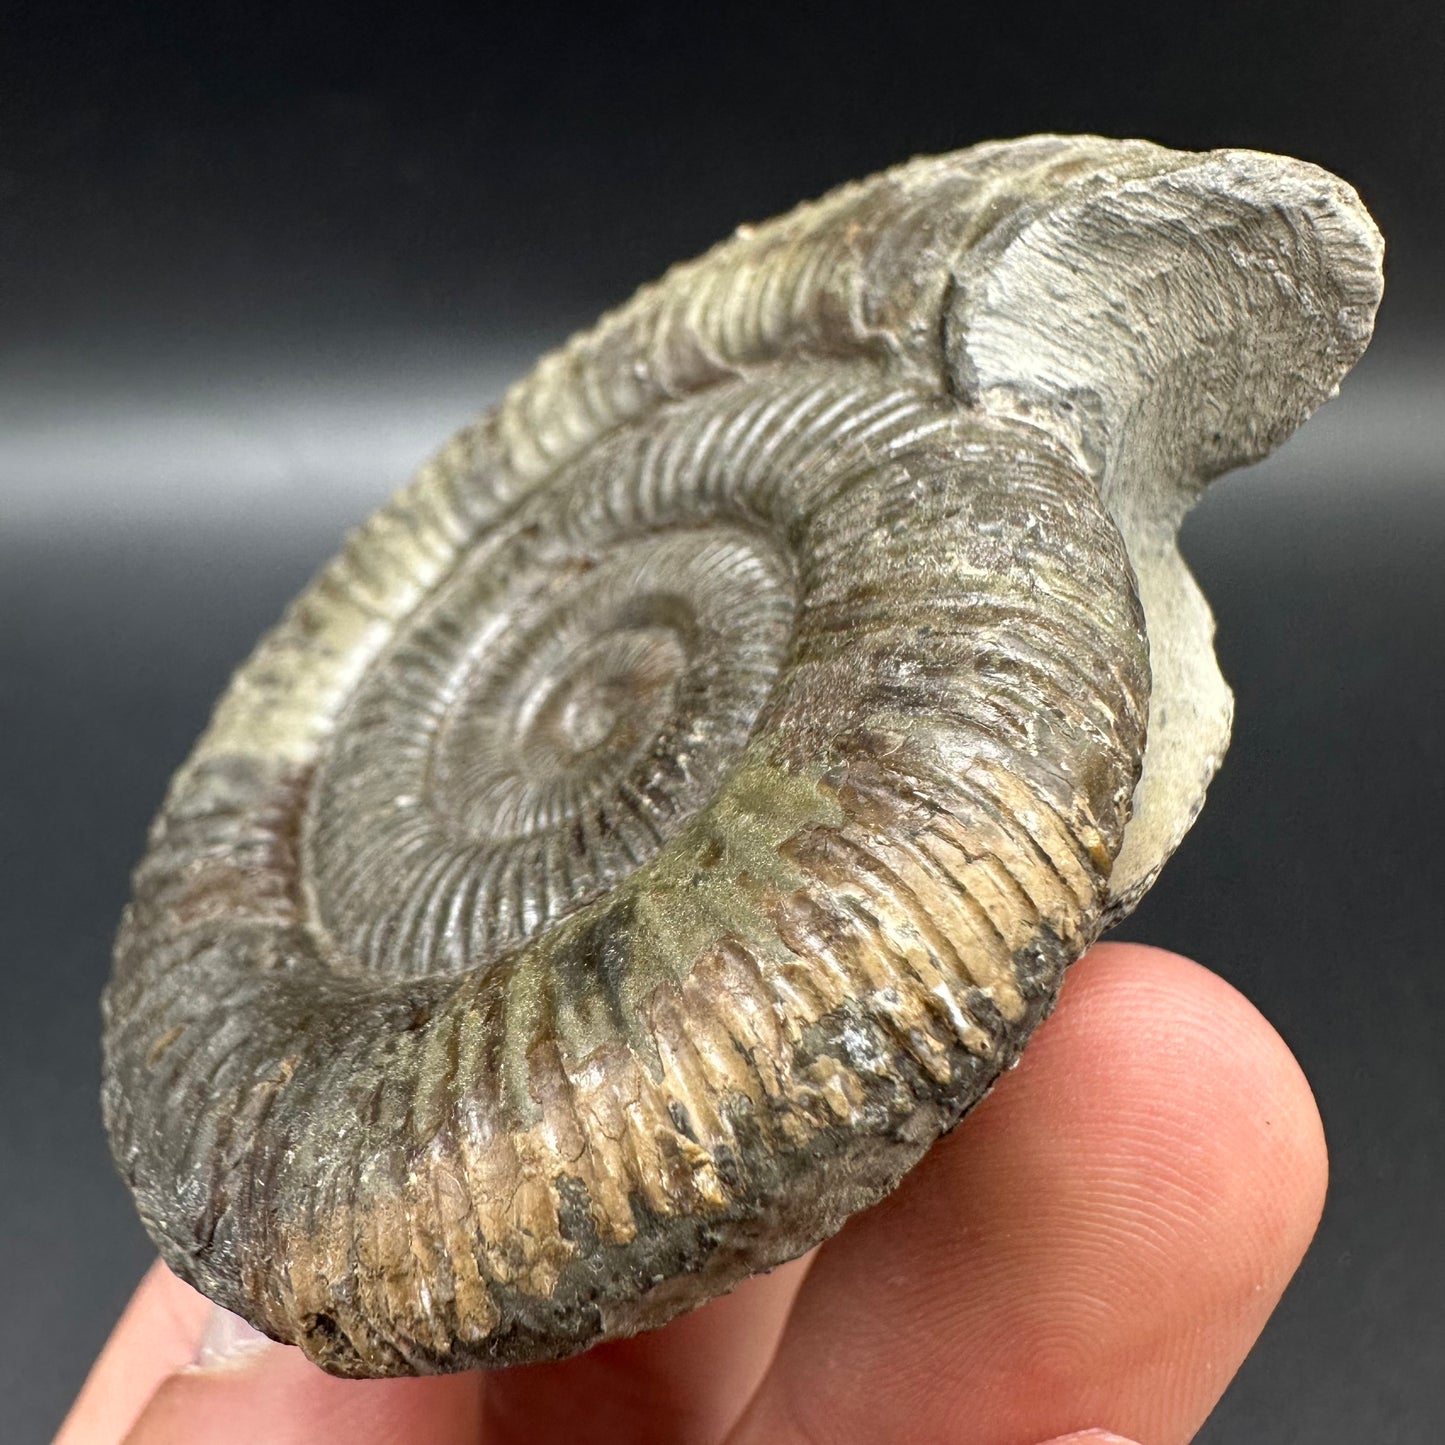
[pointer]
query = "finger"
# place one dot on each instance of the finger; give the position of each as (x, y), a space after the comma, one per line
(156, 1335)
(155, 1384)
(687, 1382)
(1099, 1245)
(1090, 1437)
(274, 1394)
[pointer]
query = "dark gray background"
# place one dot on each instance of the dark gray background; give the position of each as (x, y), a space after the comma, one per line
(256, 261)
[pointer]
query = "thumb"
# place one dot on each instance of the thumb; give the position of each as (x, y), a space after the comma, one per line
(178, 1371)
(243, 1388)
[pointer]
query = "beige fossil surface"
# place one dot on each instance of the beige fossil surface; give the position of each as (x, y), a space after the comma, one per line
(674, 809)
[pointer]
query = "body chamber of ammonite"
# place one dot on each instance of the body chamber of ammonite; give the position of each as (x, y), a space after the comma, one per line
(673, 811)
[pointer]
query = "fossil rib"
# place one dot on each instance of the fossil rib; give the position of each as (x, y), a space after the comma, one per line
(672, 811)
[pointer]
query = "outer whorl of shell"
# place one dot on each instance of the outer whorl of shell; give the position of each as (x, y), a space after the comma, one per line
(674, 809)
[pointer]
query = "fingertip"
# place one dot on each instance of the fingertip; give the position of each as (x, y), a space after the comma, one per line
(274, 1394)
(178, 1370)
(1152, 1034)
(1103, 1239)
(228, 1342)
(1090, 1437)
(1201, 1166)
(155, 1336)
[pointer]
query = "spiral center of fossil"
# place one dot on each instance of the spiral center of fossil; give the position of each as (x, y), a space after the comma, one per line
(541, 729)
(618, 692)
(563, 711)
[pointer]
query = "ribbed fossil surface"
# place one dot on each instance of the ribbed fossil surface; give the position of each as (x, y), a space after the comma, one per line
(673, 811)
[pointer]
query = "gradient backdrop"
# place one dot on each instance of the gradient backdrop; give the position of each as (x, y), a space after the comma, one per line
(257, 260)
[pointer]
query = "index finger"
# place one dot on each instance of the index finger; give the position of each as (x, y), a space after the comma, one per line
(1098, 1246)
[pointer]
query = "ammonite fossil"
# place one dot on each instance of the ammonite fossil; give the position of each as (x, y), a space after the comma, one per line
(673, 811)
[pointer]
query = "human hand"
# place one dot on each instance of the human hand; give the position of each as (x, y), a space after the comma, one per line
(1097, 1246)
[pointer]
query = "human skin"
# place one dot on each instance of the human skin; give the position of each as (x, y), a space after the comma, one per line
(1095, 1249)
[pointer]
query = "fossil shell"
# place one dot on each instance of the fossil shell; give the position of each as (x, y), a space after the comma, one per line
(673, 811)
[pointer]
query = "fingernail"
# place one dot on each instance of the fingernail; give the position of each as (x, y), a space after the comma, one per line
(228, 1340)
(1090, 1437)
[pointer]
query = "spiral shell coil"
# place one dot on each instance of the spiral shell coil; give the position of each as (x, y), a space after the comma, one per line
(674, 810)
